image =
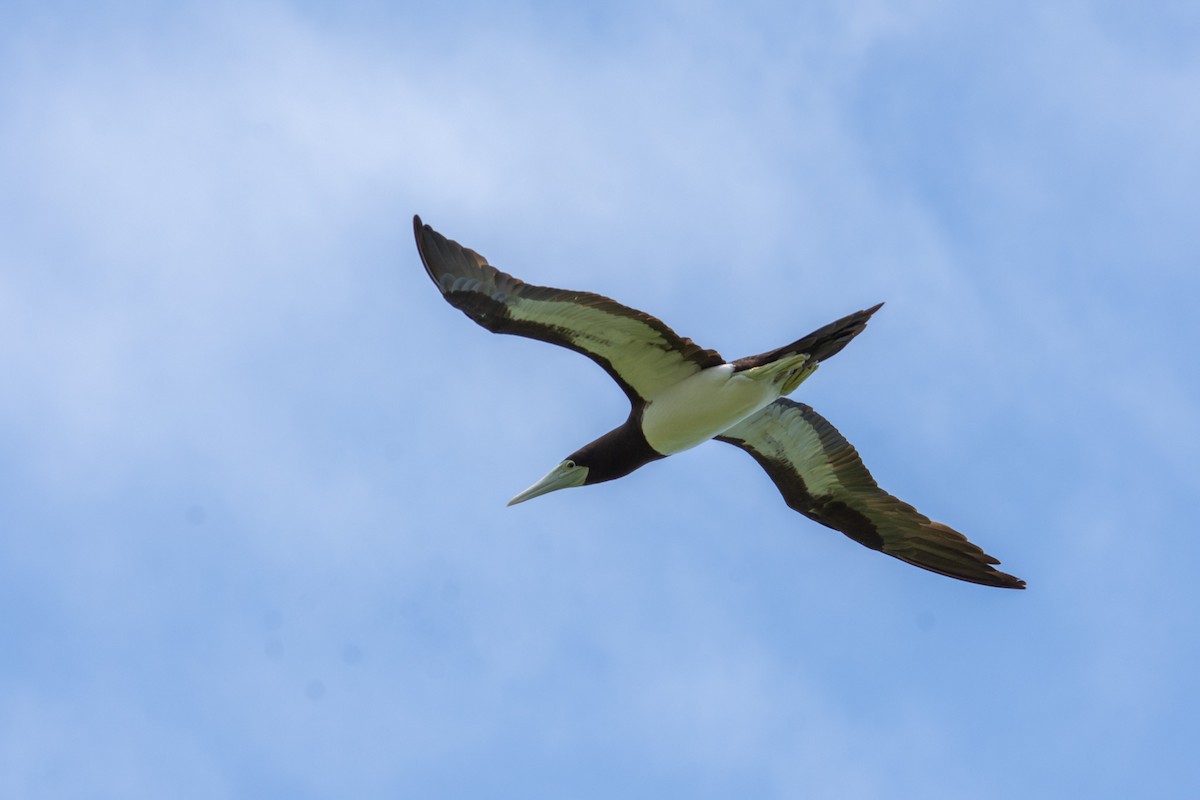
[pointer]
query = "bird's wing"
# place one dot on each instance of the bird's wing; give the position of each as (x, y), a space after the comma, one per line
(640, 353)
(820, 475)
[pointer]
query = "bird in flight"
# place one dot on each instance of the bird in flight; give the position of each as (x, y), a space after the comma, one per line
(682, 395)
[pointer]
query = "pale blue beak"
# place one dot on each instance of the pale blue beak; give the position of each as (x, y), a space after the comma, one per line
(564, 476)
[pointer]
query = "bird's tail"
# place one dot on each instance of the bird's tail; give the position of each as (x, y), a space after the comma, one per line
(825, 342)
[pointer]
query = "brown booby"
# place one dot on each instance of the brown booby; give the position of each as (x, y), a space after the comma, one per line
(683, 395)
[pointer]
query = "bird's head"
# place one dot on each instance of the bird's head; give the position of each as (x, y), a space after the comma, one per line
(615, 454)
(567, 474)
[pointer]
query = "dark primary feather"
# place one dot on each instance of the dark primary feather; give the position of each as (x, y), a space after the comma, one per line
(637, 350)
(820, 475)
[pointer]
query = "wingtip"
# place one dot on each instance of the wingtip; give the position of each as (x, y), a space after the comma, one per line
(421, 233)
(1001, 579)
(994, 577)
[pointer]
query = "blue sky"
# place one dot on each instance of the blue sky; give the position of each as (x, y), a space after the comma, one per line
(253, 469)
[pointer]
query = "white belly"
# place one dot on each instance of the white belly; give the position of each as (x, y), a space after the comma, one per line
(698, 408)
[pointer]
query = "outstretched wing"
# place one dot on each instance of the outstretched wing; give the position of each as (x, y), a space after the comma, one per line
(820, 475)
(640, 353)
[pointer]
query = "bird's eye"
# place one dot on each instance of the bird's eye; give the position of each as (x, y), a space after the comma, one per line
(569, 464)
